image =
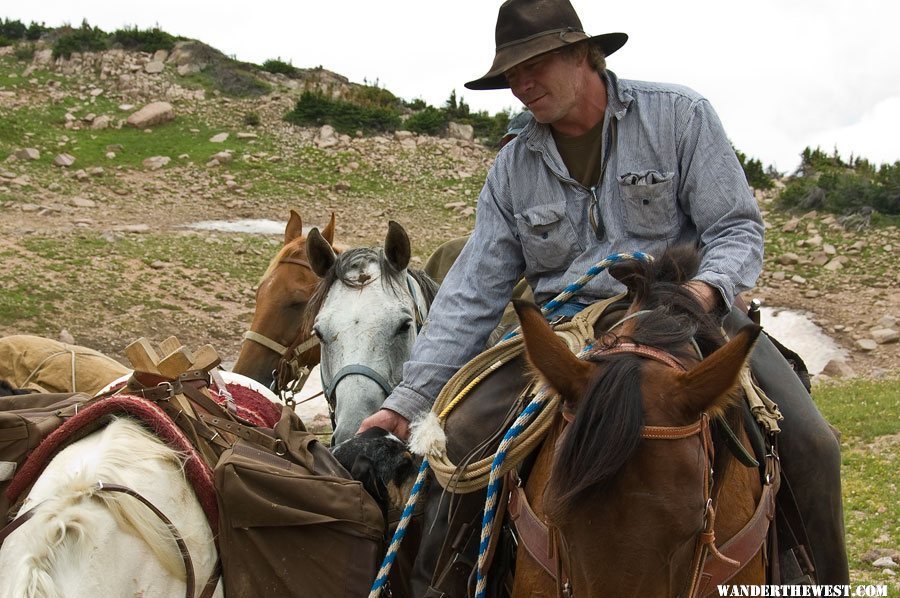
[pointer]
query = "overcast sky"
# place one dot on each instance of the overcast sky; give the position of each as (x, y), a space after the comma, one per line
(782, 74)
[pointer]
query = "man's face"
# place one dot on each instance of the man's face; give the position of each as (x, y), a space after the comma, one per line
(548, 84)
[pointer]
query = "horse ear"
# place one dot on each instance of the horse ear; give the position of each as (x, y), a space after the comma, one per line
(328, 231)
(294, 227)
(396, 246)
(321, 255)
(708, 385)
(550, 355)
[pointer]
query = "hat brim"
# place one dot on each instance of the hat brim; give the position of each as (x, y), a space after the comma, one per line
(510, 56)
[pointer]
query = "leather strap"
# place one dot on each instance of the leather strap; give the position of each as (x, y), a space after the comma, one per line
(741, 547)
(531, 532)
(179, 541)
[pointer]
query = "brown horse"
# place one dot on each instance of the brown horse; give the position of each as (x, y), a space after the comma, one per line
(284, 290)
(624, 480)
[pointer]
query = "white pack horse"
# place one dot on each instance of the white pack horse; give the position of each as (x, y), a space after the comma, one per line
(86, 541)
(366, 312)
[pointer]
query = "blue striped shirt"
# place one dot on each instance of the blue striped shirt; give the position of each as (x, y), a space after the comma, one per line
(671, 178)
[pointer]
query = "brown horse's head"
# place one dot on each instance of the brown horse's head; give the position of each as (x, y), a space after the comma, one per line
(628, 507)
(281, 298)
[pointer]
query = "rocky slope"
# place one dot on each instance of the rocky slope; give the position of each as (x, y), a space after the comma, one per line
(92, 208)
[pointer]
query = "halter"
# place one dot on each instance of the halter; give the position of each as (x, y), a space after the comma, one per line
(289, 375)
(358, 369)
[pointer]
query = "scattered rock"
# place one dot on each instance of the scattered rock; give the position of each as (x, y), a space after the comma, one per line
(154, 66)
(460, 131)
(247, 135)
(788, 259)
(66, 337)
(101, 122)
(80, 202)
(866, 344)
(152, 114)
(885, 562)
(218, 138)
(28, 153)
(64, 160)
(838, 368)
(883, 336)
(156, 162)
(222, 157)
(158, 264)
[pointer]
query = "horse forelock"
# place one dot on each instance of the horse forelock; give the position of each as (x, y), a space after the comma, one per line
(359, 258)
(289, 249)
(604, 434)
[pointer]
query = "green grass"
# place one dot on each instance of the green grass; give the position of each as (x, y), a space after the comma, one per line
(868, 415)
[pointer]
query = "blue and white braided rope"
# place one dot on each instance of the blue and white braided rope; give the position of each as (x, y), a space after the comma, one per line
(400, 532)
(572, 289)
(494, 483)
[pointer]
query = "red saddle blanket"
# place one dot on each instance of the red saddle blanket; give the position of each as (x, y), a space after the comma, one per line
(250, 406)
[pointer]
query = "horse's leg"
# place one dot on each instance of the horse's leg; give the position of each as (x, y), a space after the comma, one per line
(810, 456)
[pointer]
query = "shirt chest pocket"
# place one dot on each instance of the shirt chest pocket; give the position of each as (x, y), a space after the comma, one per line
(548, 238)
(649, 199)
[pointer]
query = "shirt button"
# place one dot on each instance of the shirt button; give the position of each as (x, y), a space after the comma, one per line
(544, 235)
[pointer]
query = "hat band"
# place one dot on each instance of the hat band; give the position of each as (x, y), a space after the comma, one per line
(561, 32)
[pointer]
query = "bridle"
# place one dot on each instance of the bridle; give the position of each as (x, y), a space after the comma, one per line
(289, 375)
(709, 565)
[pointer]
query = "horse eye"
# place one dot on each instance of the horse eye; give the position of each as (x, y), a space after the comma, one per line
(404, 327)
(318, 334)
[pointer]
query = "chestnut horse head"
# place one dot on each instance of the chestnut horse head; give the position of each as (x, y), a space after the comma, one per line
(284, 290)
(627, 486)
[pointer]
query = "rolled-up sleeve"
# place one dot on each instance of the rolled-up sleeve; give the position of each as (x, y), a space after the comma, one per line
(468, 305)
(715, 195)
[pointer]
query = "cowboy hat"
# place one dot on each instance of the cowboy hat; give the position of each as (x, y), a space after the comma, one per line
(527, 28)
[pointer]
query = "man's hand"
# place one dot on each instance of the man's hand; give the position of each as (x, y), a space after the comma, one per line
(389, 420)
(706, 294)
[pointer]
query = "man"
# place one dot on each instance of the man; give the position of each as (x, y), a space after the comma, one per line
(608, 166)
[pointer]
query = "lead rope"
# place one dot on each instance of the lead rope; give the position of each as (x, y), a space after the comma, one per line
(534, 408)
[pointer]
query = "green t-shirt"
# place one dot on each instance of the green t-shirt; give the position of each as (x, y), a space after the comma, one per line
(581, 154)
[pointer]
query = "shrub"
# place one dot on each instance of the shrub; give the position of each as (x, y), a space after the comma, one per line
(276, 65)
(24, 52)
(429, 121)
(146, 40)
(12, 29)
(757, 177)
(251, 119)
(83, 39)
(416, 104)
(5, 41)
(315, 109)
(35, 31)
(372, 95)
(827, 182)
(236, 79)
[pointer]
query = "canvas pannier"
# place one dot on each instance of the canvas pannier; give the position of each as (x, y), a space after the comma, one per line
(292, 522)
(25, 420)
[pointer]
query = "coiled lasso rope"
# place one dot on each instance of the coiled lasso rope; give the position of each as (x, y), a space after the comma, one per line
(524, 435)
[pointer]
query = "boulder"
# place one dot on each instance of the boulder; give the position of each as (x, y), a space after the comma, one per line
(460, 131)
(64, 160)
(28, 153)
(152, 114)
